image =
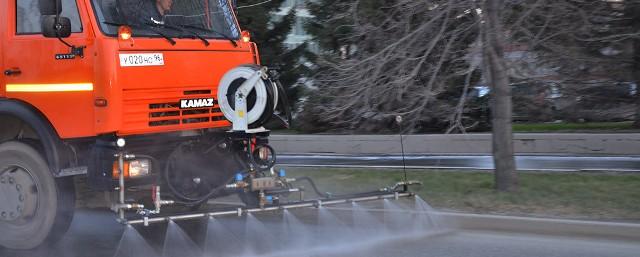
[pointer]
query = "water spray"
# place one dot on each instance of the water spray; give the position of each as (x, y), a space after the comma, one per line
(254, 177)
(243, 211)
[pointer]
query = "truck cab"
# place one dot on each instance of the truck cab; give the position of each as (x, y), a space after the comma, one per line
(123, 91)
(112, 84)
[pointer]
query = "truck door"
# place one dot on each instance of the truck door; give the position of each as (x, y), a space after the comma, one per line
(3, 29)
(40, 71)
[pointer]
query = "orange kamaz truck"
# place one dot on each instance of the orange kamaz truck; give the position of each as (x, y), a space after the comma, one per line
(156, 96)
(161, 104)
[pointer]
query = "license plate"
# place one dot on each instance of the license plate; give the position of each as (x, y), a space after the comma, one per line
(196, 103)
(143, 59)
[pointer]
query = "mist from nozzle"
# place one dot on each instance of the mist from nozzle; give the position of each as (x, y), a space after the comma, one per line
(178, 244)
(326, 231)
(364, 221)
(132, 244)
(260, 238)
(396, 221)
(295, 231)
(426, 216)
(222, 238)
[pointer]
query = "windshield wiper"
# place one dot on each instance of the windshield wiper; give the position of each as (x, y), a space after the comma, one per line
(168, 38)
(233, 42)
(182, 29)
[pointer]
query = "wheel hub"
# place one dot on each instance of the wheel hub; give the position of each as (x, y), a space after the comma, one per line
(18, 195)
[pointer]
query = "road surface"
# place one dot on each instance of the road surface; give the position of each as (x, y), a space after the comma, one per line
(542, 163)
(95, 233)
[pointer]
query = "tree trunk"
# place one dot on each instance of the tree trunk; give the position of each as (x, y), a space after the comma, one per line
(496, 73)
(636, 77)
(634, 12)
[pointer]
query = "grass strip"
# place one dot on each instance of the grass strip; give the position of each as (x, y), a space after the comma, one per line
(599, 196)
(577, 127)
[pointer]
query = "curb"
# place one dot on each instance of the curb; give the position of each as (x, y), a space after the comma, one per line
(524, 143)
(545, 226)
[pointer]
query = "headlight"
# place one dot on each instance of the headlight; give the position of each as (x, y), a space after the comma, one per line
(139, 167)
(133, 168)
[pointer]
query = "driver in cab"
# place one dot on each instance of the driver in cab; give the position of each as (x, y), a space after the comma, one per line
(153, 11)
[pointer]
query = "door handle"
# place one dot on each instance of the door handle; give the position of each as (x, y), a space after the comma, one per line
(14, 71)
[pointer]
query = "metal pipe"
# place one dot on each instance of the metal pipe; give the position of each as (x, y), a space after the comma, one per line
(188, 216)
(240, 211)
(270, 208)
(299, 205)
(157, 201)
(384, 210)
(121, 183)
(222, 213)
(126, 206)
(142, 221)
(282, 191)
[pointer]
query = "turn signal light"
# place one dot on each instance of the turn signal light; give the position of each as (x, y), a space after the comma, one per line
(124, 32)
(246, 36)
(133, 168)
(100, 102)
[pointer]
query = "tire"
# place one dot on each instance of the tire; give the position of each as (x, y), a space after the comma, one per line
(48, 203)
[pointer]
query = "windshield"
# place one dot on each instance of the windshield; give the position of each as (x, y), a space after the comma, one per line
(212, 18)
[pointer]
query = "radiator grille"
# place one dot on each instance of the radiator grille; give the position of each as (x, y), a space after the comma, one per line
(156, 110)
(166, 114)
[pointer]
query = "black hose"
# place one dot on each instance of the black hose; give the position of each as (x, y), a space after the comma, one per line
(182, 198)
(269, 108)
(328, 195)
(313, 185)
(267, 165)
(206, 197)
(282, 97)
(356, 195)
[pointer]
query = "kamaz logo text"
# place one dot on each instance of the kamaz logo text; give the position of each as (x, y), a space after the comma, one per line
(196, 103)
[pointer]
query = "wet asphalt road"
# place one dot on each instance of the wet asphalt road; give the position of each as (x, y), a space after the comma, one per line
(95, 233)
(542, 163)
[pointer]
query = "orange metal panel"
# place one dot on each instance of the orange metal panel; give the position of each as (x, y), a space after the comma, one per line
(129, 92)
(157, 110)
(71, 113)
(3, 36)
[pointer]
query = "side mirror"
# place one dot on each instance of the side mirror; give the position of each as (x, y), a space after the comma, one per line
(48, 7)
(52, 27)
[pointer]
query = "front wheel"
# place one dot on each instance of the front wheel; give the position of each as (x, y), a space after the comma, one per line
(35, 208)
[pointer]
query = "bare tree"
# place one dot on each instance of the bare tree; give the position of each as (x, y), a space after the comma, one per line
(403, 61)
(584, 46)
(496, 73)
(420, 59)
(410, 59)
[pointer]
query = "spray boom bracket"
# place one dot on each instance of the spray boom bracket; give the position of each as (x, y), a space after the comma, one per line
(241, 116)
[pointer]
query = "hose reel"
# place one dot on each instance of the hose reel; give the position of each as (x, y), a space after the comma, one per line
(248, 94)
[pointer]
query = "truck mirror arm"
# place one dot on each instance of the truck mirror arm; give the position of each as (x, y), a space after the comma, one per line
(75, 50)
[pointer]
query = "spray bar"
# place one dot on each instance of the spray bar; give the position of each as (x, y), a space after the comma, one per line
(240, 211)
